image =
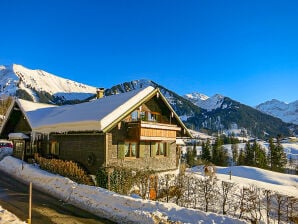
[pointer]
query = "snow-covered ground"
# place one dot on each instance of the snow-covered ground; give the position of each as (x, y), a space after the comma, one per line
(5, 151)
(101, 202)
(8, 217)
(285, 184)
(126, 209)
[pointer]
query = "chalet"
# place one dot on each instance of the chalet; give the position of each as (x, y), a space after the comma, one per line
(136, 129)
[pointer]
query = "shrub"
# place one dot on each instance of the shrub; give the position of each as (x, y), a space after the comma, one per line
(121, 180)
(64, 168)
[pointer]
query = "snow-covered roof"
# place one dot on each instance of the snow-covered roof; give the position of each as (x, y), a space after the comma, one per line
(90, 116)
(17, 135)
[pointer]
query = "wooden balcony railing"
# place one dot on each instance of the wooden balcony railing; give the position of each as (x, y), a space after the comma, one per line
(144, 130)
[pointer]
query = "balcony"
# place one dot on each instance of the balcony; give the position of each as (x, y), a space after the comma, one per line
(146, 130)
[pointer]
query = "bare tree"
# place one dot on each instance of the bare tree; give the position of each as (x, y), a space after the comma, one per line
(178, 188)
(209, 192)
(242, 200)
(254, 204)
(280, 201)
(226, 189)
(268, 202)
(292, 210)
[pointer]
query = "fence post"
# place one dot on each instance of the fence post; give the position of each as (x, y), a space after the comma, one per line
(30, 202)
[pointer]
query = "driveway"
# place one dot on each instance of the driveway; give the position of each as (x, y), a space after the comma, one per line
(46, 209)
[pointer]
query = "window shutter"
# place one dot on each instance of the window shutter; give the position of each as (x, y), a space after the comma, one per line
(121, 150)
(168, 149)
(142, 149)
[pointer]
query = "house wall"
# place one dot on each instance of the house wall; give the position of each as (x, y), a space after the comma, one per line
(85, 149)
(146, 161)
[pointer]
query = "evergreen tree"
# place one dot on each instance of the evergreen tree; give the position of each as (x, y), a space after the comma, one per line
(235, 153)
(260, 159)
(281, 156)
(215, 151)
(223, 157)
(249, 155)
(219, 154)
(271, 154)
(206, 151)
(191, 156)
(276, 156)
(241, 158)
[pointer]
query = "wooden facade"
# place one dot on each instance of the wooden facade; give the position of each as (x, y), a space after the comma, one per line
(144, 138)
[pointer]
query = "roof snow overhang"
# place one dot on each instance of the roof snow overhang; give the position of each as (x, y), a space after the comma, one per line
(99, 115)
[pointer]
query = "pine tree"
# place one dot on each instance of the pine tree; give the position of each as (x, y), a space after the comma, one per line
(223, 156)
(219, 154)
(191, 156)
(241, 158)
(249, 155)
(281, 156)
(271, 154)
(260, 159)
(206, 151)
(276, 156)
(235, 153)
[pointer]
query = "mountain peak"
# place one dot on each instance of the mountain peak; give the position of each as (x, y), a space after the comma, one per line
(36, 84)
(205, 102)
(288, 112)
(196, 96)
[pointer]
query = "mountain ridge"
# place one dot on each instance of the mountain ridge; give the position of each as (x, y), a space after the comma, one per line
(216, 114)
(288, 112)
(41, 86)
(223, 115)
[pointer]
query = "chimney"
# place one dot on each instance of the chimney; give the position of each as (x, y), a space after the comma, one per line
(100, 93)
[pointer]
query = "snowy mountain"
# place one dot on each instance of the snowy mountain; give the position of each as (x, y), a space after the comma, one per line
(205, 102)
(288, 112)
(41, 86)
(216, 114)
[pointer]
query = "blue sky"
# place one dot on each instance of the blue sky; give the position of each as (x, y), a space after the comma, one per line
(246, 50)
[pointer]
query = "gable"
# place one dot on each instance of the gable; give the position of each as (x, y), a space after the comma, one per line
(154, 104)
(15, 121)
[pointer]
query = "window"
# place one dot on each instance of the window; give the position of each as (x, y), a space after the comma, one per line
(153, 116)
(19, 148)
(134, 115)
(160, 149)
(130, 149)
(54, 149)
